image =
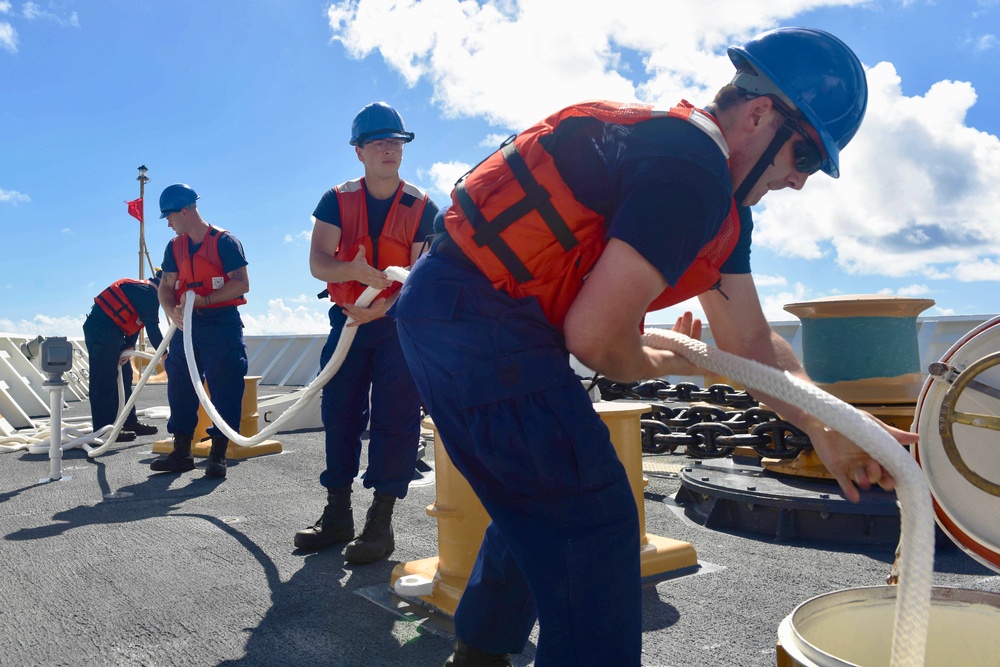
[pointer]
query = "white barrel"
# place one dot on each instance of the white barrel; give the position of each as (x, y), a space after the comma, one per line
(853, 627)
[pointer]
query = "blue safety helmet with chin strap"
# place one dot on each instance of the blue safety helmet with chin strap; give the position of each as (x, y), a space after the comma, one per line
(377, 121)
(175, 197)
(813, 72)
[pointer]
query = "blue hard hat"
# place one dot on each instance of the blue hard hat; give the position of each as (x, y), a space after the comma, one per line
(815, 73)
(376, 121)
(175, 197)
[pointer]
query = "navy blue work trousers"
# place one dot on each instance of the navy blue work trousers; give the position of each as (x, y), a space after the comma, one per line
(105, 342)
(221, 358)
(563, 545)
(374, 366)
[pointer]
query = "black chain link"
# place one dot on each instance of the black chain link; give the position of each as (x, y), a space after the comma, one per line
(703, 430)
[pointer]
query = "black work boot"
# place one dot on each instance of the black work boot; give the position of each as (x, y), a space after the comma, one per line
(140, 428)
(216, 466)
(467, 656)
(376, 541)
(336, 526)
(179, 460)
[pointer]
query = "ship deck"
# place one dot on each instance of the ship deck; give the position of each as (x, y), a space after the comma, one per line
(114, 565)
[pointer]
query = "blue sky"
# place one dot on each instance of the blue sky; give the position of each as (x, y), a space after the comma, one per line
(250, 102)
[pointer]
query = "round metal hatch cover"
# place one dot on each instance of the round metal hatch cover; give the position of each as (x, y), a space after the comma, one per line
(958, 419)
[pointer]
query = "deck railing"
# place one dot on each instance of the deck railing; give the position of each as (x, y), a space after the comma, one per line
(293, 361)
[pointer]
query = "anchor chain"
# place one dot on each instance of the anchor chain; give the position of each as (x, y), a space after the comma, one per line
(706, 431)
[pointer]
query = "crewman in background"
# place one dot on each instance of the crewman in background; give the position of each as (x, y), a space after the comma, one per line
(360, 228)
(209, 262)
(119, 312)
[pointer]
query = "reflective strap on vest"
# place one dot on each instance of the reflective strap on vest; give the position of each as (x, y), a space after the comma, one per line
(536, 198)
(113, 302)
(116, 313)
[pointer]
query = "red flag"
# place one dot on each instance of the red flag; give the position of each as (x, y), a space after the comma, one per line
(135, 208)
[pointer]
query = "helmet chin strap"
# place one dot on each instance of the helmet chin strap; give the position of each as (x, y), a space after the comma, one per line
(767, 159)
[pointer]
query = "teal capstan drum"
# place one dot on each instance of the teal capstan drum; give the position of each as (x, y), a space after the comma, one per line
(863, 349)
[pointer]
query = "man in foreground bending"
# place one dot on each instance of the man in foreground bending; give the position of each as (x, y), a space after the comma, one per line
(559, 243)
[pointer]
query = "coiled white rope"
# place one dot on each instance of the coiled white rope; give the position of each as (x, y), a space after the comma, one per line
(123, 413)
(347, 334)
(913, 597)
(38, 439)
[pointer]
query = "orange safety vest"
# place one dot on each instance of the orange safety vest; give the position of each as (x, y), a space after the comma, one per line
(394, 244)
(117, 306)
(514, 216)
(202, 271)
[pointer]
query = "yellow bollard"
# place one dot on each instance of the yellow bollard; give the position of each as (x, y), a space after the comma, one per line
(139, 366)
(657, 554)
(249, 420)
(462, 520)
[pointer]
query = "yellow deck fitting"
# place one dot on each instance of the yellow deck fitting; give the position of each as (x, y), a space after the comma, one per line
(462, 520)
(808, 463)
(139, 365)
(248, 428)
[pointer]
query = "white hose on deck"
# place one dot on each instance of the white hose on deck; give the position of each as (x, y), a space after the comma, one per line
(38, 440)
(347, 334)
(913, 598)
(124, 412)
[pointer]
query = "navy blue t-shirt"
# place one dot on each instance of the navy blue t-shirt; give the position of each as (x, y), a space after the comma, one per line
(328, 210)
(662, 185)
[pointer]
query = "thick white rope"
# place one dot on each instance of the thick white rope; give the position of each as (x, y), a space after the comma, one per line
(913, 597)
(95, 443)
(123, 413)
(38, 440)
(347, 334)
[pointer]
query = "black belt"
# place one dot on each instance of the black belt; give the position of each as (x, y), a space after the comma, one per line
(213, 311)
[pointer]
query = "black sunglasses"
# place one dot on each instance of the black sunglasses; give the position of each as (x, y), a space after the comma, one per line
(808, 156)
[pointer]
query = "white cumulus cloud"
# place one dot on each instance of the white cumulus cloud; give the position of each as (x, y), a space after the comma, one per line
(13, 196)
(32, 11)
(444, 174)
(8, 37)
(43, 325)
(298, 237)
(283, 319)
(918, 195)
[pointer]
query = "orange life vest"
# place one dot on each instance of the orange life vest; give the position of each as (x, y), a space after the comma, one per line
(515, 217)
(117, 306)
(394, 244)
(202, 271)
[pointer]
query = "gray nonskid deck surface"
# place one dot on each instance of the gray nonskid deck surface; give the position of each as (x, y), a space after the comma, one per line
(118, 566)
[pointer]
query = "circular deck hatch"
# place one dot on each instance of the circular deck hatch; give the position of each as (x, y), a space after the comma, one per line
(958, 418)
